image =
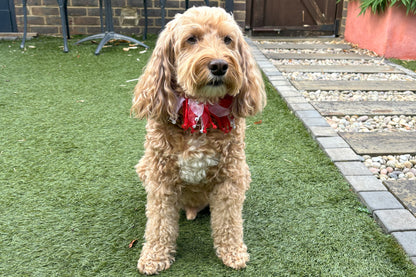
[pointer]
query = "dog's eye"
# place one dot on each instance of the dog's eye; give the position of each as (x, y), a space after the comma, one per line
(227, 40)
(192, 40)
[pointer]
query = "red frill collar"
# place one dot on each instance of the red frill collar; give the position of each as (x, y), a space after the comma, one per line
(200, 116)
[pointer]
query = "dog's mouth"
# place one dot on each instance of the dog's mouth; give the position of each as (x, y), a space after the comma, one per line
(215, 83)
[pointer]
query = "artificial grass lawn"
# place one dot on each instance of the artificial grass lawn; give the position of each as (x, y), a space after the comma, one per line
(408, 64)
(71, 202)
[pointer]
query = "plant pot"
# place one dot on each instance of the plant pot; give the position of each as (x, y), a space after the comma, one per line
(391, 34)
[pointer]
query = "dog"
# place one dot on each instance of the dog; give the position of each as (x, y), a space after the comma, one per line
(198, 87)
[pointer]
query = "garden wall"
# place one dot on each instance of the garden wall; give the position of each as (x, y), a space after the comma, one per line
(391, 34)
(128, 15)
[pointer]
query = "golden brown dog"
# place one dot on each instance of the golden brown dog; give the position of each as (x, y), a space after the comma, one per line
(198, 87)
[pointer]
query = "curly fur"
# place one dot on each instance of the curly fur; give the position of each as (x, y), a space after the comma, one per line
(184, 170)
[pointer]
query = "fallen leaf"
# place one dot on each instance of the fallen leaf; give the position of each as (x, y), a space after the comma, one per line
(126, 49)
(258, 122)
(132, 80)
(132, 243)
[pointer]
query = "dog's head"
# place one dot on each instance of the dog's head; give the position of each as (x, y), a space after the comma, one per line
(201, 54)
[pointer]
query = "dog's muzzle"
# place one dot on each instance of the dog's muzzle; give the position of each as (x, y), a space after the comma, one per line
(218, 67)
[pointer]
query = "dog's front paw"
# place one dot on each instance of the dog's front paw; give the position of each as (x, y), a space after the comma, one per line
(152, 262)
(234, 257)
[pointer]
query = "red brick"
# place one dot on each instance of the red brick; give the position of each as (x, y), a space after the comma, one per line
(77, 11)
(50, 3)
(85, 3)
(35, 20)
(44, 11)
(33, 2)
(172, 12)
(44, 29)
(135, 3)
(86, 20)
(53, 20)
(94, 11)
(78, 30)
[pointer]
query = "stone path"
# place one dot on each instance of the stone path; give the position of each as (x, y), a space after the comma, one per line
(391, 202)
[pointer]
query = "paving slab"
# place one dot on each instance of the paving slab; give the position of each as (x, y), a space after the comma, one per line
(303, 46)
(405, 190)
(314, 121)
(408, 241)
(322, 131)
(392, 142)
(379, 200)
(341, 108)
(318, 56)
(353, 169)
(302, 107)
(395, 220)
(341, 154)
(288, 91)
(356, 85)
(295, 100)
(332, 142)
(340, 68)
(312, 113)
(365, 183)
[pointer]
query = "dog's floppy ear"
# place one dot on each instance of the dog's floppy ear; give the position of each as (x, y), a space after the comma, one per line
(154, 94)
(252, 97)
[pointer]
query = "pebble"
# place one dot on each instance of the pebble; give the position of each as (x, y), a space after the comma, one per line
(338, 76)
(381, 123)
(357, 95)
(391, 167)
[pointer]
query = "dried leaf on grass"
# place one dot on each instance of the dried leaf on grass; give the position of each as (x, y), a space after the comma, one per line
(132, 243)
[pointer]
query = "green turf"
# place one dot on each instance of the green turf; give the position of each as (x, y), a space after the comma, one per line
(408, 64)
(71, 202)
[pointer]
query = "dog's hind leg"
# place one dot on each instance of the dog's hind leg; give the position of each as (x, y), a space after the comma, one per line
(193, 201)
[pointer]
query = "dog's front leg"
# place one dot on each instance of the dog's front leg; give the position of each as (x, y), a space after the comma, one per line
(162, 228)
(226, 203)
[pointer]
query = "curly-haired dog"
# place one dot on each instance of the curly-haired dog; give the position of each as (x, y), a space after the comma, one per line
(198, 87)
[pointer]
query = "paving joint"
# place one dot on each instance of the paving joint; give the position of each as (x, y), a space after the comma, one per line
(388, 212)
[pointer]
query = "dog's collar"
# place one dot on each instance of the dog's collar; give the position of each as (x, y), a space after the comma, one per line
(200, 116)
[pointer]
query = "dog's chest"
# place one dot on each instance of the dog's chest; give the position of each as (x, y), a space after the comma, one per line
(197, 159)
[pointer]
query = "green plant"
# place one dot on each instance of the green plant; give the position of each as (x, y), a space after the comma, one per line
(379, 6)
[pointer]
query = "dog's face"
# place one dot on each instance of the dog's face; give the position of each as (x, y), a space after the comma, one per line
(201, 54)
(207, 60)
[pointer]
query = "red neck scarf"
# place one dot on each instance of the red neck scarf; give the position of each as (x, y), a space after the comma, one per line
(199, 116)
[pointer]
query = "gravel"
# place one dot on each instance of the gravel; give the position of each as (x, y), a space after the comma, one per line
(355, 123)
(326, 62)
(357, 95)
(337, 76)
(392, 167)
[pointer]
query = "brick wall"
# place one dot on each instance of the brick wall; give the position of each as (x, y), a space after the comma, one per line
(344, 18)
(128, 15)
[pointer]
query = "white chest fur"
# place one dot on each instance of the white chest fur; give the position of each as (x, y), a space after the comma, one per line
(196, 160)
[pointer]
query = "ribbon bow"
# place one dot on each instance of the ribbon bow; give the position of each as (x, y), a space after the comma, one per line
(204, 116)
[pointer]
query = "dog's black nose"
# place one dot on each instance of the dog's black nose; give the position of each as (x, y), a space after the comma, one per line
(218, 67)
